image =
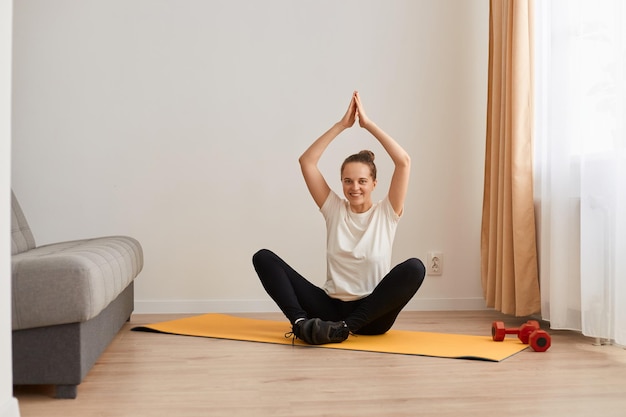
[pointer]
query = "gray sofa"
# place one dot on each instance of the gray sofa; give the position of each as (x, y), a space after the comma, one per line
(69, 300)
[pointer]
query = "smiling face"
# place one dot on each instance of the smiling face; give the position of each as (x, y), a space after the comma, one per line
(358, 185)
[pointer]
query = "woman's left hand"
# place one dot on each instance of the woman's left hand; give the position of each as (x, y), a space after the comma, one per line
(364, 121)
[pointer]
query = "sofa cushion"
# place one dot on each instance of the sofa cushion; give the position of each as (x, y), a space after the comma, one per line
(21, 236)
(72, 281)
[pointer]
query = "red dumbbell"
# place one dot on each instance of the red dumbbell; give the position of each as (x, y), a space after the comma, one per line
(529, 333)
(498, 331)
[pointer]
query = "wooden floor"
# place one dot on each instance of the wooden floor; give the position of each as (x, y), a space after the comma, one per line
(148, 374)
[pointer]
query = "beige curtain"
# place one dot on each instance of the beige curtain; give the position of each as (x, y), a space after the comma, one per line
(508, 242)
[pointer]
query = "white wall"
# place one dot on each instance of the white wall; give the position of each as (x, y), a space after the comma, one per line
(180, 123)
(8, 404)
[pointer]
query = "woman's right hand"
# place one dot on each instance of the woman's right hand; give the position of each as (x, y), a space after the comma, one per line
(349, 118)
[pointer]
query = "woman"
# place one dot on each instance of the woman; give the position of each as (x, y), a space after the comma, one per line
(362, 293)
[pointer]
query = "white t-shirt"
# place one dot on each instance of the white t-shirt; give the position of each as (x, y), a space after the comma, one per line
(358, 247)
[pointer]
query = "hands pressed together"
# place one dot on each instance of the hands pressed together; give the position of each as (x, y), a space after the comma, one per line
(355, 110)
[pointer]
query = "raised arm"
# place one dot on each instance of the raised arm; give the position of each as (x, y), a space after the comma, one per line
(400, 178)
(315, 182)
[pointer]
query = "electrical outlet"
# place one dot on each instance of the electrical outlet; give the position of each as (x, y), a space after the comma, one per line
(434, 264)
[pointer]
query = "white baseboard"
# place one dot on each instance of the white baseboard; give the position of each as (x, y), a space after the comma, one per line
(9, 408)
(268, 306)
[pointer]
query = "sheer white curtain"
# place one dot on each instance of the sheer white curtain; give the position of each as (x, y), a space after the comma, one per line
(580, 165)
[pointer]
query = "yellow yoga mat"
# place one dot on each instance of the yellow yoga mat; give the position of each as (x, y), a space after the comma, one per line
(443, 345)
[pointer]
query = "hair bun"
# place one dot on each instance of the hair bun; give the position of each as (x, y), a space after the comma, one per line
(369, 155)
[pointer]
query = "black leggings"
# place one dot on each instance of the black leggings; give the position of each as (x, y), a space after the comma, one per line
(374, 314)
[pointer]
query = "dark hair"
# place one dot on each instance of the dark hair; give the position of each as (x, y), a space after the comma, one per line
(365, 157)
